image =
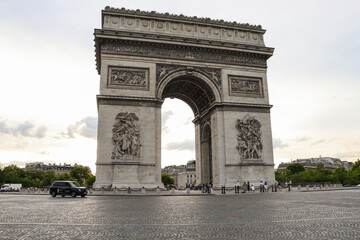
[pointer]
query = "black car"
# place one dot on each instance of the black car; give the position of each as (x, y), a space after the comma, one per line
(67, 188)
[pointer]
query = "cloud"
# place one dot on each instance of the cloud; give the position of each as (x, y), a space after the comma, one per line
(26, 129)
(43, 153)
(302, 139)
(165, 117)
(86, 127)
(277, 143)
(318, 142)
(347, 155)
(180, 146)
(4, 128)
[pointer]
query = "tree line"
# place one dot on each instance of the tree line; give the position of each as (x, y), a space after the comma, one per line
(32, 178)
(296, 173)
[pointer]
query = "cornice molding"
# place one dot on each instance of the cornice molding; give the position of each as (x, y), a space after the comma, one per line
(181, 17)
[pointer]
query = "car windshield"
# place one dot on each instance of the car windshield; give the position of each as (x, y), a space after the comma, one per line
(75, 184)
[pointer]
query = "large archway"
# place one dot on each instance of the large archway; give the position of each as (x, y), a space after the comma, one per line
(197, 90)
(217, 68)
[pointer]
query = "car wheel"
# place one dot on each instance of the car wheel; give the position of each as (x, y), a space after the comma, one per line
(73, 194)
(82, 195)
(53, 194)
(63, 195)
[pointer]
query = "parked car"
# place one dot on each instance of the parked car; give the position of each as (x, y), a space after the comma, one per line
(67, 188)
(11, 187)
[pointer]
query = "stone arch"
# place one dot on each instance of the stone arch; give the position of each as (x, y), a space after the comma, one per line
(191, 86)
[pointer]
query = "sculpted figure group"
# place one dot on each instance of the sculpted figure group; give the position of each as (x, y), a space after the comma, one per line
(249, 138)
(125, 136)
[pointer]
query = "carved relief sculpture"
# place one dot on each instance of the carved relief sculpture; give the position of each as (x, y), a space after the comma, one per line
(164, 69)
(245, 86)
(126, 137)
(120, 77)
(249, 143)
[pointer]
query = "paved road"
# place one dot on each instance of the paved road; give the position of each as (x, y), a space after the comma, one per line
(294, 215)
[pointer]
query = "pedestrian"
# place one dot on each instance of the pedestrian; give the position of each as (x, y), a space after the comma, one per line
(261, 186)
(266, 187)
(237, 185)
(245, 187)
(252, 188)
(248, 186)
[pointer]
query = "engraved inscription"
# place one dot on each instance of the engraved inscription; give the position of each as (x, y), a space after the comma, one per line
(120, 77)
(245, 86)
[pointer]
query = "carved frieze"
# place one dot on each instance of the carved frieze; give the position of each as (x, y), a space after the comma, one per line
(126, 137)
(181, 53)
(199, 28)
(249, 143)
(163, 70)
(124, 77)
(245, 86)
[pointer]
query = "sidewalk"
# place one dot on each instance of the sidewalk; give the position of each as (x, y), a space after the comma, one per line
(144, 192)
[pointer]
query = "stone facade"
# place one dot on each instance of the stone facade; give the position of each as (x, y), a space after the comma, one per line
(57, 168)
(312, 163)
(218, 68)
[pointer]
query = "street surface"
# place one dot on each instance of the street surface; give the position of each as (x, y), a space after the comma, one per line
(287, 215)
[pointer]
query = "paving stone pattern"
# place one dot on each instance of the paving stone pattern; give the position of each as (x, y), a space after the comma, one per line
(294, 215)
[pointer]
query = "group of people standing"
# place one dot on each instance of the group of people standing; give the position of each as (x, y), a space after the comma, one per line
(247, 188)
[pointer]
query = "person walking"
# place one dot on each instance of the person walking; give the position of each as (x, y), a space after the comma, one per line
(248, 186)
(266, 187)
(261, 186)
(245, 187)
(237, 185)
(252, 188)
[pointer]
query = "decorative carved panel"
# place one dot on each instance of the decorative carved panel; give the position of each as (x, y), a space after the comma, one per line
(245, 86)
(189, 53)
(126, 137)
(163, 70)
(125, 77)
(249, 143)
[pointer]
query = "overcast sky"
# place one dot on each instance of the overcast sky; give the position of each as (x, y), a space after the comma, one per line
(49, 81)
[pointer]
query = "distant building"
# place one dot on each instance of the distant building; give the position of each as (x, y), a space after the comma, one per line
(57, 168)
(183, 175)
(312, 163)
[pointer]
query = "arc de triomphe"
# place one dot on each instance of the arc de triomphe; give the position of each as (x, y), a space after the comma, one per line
(218, 68)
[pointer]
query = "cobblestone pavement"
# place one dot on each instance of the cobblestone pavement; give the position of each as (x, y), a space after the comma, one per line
(294, 215)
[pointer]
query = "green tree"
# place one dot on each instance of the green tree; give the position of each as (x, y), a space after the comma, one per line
(48, 177)
(166, 179)
(65, 177)
(356, 165)
(90, 181)
(280, 177)
(341, 175)
(295, 168)
(80, 174)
